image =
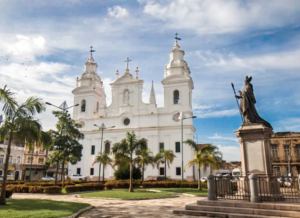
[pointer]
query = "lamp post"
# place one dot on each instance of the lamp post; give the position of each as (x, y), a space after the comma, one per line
(102, 127)
(64, 107)
(182, 117)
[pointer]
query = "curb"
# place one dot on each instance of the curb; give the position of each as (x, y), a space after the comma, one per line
(152, 190)
(79, 212)
(126, 199)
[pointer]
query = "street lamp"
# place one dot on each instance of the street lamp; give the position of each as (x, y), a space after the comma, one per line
(62, 107)
(182, 117)
(102, 127)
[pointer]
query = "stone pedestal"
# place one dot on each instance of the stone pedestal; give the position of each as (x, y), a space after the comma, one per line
(255, 149)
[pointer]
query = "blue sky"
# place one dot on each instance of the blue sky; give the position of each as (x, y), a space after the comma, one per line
(44, 45)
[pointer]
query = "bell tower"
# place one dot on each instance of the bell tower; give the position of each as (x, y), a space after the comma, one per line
(89, 92)
(178, 84)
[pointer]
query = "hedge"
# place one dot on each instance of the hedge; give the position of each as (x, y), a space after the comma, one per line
(173, 184)
(36, 189)
(84, 187)
(121, 184)
(52, 190)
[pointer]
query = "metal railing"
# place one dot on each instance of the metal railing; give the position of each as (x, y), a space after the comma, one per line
(232, 188)
(279, 189)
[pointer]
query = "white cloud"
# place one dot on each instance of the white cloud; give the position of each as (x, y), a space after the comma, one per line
(280, 61)
(217, 136)
(208, 113)
(26, 46)
(287, 124)
(219, 16)
(230, 153)
(117, 12)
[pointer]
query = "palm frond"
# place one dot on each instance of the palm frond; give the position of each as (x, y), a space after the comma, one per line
(192, 144)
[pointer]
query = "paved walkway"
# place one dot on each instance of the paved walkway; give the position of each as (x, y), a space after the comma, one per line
(122, 208)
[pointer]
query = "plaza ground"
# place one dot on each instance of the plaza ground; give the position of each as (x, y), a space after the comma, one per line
(122, 208)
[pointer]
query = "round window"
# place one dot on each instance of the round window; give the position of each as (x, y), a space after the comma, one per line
(126, 121)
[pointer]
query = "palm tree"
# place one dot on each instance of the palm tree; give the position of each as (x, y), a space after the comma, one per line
(164, 157)
(192, 144)
(214, 153)
(105, 160)
(203, 158)
(144, 158)
(19, 124)
(125, 150)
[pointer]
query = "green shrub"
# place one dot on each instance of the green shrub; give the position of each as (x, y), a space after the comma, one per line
(36, 189)
(52, 190)
(9, 192)
(109, 186)
(123, 173)
(71, 188)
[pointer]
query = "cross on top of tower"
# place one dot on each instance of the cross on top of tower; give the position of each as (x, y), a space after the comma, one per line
(176, 36)
(127, 60)
(92, 49)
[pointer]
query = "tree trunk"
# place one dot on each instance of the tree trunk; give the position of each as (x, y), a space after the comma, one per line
(103, 174)
(143, 171)
(130, 182)
(30, 164)
(199, 181)
(63, 171)
(165, 169)
(2, 197)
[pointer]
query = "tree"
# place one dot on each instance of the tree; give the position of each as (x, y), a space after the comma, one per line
(123, 173)
(125, 150)
(19, 124)
(214, 153)
(164, 157)
(67, 148)
(202, 158)
(105, 160)
(144, 159)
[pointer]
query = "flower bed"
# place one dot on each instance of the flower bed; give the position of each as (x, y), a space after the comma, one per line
(84, 187)
(121, 184)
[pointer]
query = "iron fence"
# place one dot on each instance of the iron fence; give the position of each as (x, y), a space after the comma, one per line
(279, 189)
(232, 188)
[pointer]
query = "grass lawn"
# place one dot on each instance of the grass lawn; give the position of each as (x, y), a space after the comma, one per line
(192, 191)
(124, 194)
(28, 208)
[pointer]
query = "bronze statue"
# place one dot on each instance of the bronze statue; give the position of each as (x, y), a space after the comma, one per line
(247, 104)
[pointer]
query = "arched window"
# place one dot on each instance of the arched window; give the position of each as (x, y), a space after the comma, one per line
(176, 97)
(83, 105)
(10, 159)
(107, 147)
(2, 158)
(18, 160)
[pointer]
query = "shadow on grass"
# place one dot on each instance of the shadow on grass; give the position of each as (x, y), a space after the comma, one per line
(39, 208)
(192, 191)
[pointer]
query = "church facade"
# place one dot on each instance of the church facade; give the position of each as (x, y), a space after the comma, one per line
(161, 127)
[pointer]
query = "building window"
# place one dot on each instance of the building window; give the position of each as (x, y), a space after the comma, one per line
(10, 159)
(2, 158)
(286, 151)
(297, 150)
(83, 105)
(107, 148)
(161, 146)
(161, 171)
(93, 150)
(176, 97)
(178, 171)
(274, 150)
(91, 171)
(177, 147)
(1, 172)
(29, 160)
(126, 121)
(18, 160)
(41, 161)
(78, 171)
(276, 171)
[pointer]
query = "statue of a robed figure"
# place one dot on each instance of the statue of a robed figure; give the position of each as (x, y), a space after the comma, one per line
(247, 105)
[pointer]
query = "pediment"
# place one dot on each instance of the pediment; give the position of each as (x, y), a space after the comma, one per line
(126, 78)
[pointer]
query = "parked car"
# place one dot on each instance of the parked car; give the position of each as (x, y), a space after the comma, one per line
(47, 178)
(203, 179)
(77, 177)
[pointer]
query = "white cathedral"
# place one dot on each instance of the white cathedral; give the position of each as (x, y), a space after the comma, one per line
(161, 127)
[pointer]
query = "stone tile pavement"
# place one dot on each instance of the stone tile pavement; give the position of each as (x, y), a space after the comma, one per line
(107, 208)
